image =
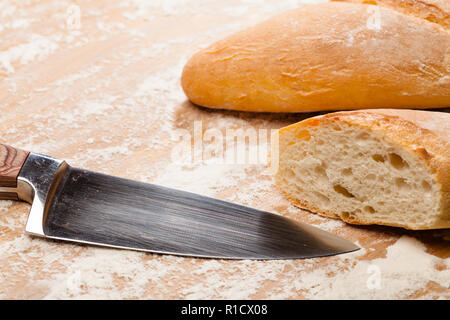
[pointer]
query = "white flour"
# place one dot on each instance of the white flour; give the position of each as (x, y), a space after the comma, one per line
(37, 47)
(406, 267)
(152, 101)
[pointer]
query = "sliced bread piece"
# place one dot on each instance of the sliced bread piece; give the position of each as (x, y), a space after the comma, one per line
(385, 166)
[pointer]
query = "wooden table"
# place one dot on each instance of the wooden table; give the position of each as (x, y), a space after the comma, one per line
(97, 84)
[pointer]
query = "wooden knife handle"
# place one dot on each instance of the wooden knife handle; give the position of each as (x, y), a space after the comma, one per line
(11, 162)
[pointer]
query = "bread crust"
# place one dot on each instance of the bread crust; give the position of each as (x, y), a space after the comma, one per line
(426, 134)
(325, 57)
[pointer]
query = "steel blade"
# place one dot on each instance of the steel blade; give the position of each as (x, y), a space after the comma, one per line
(99, 209)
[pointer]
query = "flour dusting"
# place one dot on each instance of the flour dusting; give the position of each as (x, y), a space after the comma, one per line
(37, 47)
(107, 97)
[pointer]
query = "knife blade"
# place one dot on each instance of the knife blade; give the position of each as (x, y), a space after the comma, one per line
(87, 207)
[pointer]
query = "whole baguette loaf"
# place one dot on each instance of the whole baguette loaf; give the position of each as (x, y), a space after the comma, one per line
(437, 11)
(329, 56)
(389, 167)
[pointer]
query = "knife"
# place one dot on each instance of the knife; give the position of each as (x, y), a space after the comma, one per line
(87, 207)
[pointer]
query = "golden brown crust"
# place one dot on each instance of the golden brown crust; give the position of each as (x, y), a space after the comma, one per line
(436, 11)
(325, 57)
(423, 133)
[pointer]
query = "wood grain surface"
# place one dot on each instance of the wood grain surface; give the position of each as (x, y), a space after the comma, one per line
(98, 84)
(11, 161)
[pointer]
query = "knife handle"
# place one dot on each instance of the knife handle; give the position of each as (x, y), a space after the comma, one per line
(11, 162)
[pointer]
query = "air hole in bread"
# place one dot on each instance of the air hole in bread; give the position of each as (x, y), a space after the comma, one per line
(369, 209)
(426, 186)
(378, 157)
(397, 161)
(402, 184)
(321, 171)
(341, 190)
(347, 215)
(362, 136)
(347, 172)
(371, 177)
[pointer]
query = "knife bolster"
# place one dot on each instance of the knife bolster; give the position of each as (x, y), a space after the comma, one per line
(37, 184)
(11, 163)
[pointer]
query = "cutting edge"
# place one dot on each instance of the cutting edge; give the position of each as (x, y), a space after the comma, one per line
(196, 255)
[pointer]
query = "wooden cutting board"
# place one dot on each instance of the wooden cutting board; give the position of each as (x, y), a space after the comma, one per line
(98, 84)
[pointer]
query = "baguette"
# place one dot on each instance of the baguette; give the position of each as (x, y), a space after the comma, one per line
(388, 167)
(328, 56)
